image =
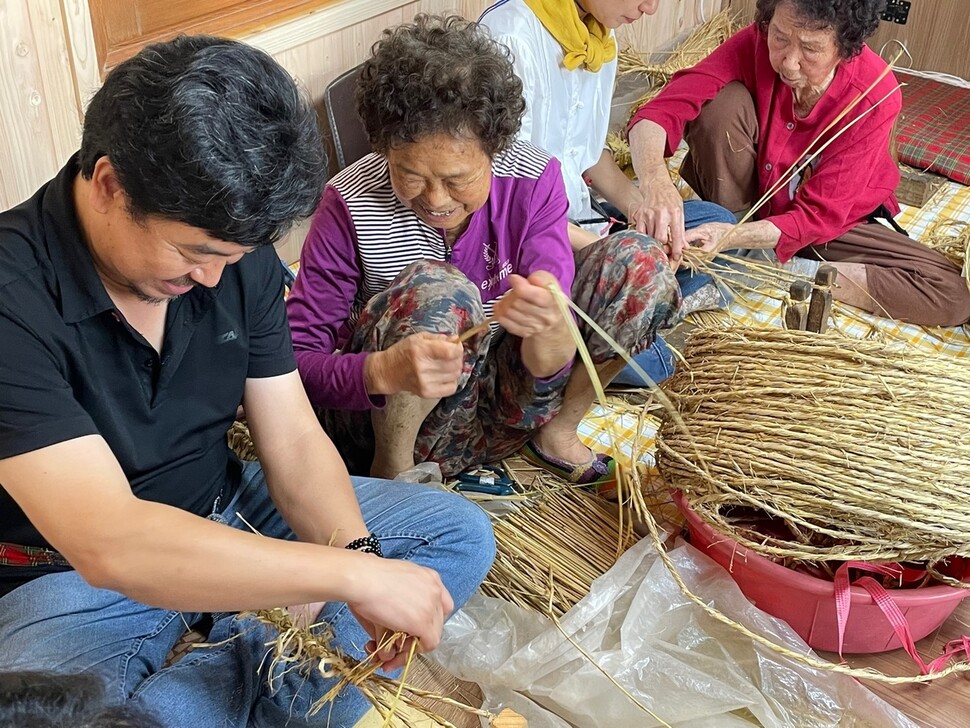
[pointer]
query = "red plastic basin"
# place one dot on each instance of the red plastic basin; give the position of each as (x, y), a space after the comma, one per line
(808, 603)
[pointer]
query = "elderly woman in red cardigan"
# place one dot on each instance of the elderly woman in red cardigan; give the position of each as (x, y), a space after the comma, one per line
(750, 111)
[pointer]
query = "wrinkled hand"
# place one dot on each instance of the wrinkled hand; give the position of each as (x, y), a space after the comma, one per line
(427, 365)
(530, 309)
(661, 216)
(398, 596)
(709, 237)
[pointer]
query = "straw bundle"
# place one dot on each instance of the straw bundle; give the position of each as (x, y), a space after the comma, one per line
(300, 647)
(859, 447)
(567, 537)
(952, 239)
(696, 47)
(620, 149)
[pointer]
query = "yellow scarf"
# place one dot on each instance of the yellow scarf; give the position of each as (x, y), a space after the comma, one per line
(583, 40)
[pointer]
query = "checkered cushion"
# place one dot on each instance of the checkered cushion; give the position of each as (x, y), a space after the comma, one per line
(934, 128)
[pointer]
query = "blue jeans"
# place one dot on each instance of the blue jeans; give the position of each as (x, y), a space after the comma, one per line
(657, 360)
(58, 622)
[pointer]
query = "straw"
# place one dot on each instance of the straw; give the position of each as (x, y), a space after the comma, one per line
(951, 238)
(860, 442)
(697, 46)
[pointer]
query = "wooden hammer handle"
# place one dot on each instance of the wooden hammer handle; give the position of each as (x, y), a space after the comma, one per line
(821, 303)
(796, 311)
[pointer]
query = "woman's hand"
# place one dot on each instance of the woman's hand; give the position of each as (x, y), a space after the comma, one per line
(710, 237)
(530, 309)
(531, 312)
(424, 364)
(398, 596)
(661, 215)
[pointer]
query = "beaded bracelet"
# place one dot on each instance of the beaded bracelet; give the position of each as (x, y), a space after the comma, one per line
(367, 544)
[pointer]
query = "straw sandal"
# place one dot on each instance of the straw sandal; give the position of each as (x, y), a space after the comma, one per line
(598, 475)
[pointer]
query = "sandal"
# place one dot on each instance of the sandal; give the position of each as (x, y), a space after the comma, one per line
(599, 475)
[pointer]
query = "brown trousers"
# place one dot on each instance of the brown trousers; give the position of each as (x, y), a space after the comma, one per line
(908, 281)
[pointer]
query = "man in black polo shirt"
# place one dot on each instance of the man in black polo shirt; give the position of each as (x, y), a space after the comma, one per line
(140, 305)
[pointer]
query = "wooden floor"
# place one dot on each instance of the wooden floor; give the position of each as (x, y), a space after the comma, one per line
(426, 675)
(943, 703)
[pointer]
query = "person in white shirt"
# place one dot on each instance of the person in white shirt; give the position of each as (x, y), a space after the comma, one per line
(564, 51)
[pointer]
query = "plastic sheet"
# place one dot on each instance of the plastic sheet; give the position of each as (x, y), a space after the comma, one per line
(683, 665)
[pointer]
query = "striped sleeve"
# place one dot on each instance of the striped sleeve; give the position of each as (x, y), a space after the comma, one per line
(319, 308)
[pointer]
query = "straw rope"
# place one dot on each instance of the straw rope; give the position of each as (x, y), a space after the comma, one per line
(952, 239)
(857, 442)
(302, 647)
(240, 442)
(701, 465)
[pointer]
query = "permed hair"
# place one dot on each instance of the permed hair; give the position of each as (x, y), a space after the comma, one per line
(211, 133)
(852, 20)
(439, 76)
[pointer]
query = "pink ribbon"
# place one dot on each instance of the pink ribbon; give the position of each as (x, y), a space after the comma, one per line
(887, 605)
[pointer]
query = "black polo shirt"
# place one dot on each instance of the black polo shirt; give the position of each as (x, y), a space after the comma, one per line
(70, 365)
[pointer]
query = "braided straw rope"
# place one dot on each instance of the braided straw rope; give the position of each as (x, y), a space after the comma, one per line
(239, 441)
(296, 646)
(858, 445)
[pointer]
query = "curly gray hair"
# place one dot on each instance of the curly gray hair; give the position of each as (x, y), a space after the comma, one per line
(852, 20)
(439, 75)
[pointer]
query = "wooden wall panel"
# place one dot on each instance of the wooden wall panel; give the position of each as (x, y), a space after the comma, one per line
(673, 19)
(39, 116)
(935, 34)
(122, 28)
(47, 47)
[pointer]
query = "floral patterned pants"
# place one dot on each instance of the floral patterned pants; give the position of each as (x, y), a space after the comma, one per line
(623, 282)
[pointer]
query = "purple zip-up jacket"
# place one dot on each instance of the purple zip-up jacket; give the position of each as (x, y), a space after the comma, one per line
(362, 236)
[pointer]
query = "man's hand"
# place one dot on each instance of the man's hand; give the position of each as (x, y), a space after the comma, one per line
(424, 364)
(530, 308)
(398, 596)
(661, 215)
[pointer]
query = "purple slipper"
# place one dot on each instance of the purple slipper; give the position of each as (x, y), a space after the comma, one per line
(598, 475)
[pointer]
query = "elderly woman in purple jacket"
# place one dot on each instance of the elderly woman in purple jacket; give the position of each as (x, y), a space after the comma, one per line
(451, 223)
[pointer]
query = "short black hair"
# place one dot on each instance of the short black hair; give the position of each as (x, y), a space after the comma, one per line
(439, 75)
(212, 133)
(35, 699)
(852, 20)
